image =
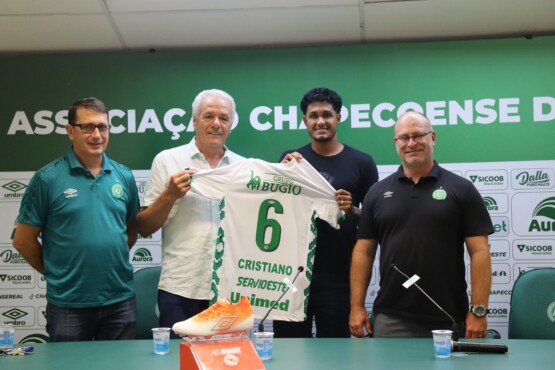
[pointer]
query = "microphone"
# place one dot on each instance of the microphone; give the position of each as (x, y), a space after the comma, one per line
(261, 323)
(454, 325)
(478, 347)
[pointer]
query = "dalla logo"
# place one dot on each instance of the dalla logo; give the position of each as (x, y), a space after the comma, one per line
(543, 217)
(10, 257)
(142, 255)
(15, 188)
(537, 179)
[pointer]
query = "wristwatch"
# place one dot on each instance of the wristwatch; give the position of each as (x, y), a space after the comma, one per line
(479, 310)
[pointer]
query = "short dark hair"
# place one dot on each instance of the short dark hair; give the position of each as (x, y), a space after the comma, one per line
(322, 94)
(88, 103)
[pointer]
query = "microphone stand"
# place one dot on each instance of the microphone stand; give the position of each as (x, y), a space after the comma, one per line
(454, 325)
(261, 323)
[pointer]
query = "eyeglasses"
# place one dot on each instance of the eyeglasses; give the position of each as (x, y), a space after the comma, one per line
(417, 138)
(88, 128)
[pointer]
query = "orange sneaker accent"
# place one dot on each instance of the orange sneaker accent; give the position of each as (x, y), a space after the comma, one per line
(220, 318)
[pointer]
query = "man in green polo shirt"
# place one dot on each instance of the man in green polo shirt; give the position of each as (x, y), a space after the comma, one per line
(76, 225)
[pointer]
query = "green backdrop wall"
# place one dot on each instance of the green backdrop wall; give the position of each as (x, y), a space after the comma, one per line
(507, 89)
(492, 103)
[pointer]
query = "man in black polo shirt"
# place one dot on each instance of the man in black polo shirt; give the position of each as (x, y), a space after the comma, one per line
(421, 216)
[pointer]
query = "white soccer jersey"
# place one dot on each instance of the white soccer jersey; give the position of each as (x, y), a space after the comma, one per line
(267, 231)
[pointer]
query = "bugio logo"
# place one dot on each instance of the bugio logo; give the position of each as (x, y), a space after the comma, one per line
(543, 216)
(491, 204)
(275, 183)
(142, 255)
(15, 188)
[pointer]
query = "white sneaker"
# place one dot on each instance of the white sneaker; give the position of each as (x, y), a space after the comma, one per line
(220, 318)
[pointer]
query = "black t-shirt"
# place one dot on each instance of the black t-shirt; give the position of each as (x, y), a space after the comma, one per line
(421, 229)
(355, 172)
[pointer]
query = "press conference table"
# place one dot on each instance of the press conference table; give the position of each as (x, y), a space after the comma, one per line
(289, 354)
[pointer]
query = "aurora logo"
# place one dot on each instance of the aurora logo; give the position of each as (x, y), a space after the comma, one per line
(545, 209)
(142, 255)
(491, 204)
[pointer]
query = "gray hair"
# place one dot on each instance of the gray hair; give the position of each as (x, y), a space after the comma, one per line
(199, 99)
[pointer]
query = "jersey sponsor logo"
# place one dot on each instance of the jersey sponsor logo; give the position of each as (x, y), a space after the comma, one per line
(70, 193)
(439, 194)
(388, 194)
(274, 183)
(262, 302)
(117, 191)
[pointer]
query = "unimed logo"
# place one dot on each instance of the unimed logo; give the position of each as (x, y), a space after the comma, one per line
(142, 255)
(543, 217)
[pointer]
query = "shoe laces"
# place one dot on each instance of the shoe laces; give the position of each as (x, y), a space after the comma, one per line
(215, 310)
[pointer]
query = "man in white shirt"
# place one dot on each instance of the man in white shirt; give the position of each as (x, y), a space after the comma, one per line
(189, 222)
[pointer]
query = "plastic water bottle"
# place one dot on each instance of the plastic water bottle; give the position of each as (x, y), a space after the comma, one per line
(6, 336)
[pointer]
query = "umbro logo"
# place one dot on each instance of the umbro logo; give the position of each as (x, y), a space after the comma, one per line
(225, 322)
(388, 194)
(70, 193)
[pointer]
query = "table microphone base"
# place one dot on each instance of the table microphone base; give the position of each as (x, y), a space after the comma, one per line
(478, 347)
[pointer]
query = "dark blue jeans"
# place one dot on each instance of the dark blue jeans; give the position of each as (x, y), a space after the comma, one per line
(174, 308)
(115, 321)
(329, 307)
